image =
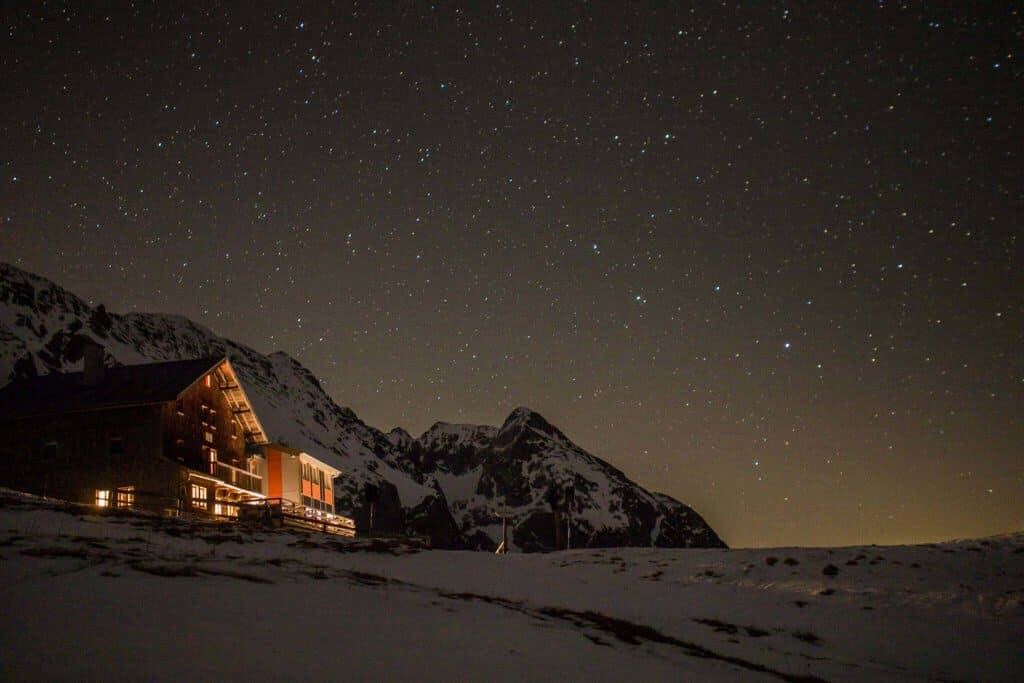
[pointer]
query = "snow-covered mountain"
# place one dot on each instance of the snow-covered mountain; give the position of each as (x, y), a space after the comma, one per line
(450, 483)
(556, 493)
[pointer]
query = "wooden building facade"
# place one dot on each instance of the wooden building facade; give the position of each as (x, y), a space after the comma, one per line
(177, 436)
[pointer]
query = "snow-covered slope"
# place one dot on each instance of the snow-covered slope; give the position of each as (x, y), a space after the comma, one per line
(126, 596)
(466, 471)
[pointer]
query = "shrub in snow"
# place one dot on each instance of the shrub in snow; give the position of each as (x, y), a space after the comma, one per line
(806, 636)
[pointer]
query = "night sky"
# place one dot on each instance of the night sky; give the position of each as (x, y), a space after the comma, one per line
(761, 256)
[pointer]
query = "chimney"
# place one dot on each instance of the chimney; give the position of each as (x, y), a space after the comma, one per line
(93, 371)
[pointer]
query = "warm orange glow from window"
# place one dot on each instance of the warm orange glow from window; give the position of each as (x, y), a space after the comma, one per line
(126, 497)
(208, 380)
(225, 510)
(103, 498)
(199, 497)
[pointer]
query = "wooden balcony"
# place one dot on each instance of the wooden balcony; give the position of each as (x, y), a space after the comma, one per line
(236, 476)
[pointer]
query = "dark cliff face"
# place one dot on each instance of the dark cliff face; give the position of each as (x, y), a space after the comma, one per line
(451, 483)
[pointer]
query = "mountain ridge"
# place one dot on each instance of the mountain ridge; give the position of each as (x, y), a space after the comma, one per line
(448, 483)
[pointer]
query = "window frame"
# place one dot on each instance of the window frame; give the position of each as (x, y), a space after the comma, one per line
(124, 497)
(200, 497)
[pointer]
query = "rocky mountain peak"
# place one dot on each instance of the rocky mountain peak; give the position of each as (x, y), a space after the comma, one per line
(526, 422)
(456, 434)
(400, 438)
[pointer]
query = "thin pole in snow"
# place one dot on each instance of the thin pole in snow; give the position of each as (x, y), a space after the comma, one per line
(503, 548)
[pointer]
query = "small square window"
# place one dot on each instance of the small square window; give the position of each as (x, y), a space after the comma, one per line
(103, 498)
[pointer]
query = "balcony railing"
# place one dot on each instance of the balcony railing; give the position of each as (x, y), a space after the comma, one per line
(277, 512)
(238, 477)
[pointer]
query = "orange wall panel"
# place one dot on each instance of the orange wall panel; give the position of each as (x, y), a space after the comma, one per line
(274, 487)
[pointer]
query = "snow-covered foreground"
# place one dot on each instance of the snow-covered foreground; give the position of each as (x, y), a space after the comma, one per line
(130, 597)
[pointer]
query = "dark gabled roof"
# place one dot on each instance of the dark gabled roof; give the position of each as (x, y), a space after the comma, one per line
(125, 386)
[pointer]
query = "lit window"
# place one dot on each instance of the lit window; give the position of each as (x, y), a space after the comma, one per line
(199, 497)
(103, 498)
(126, 497)
(208, 436)
(225, 510)
(208, 380)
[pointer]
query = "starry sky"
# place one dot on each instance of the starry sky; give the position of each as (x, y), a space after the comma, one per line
(761, 256)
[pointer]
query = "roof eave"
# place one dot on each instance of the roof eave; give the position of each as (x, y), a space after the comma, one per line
(254, 427)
